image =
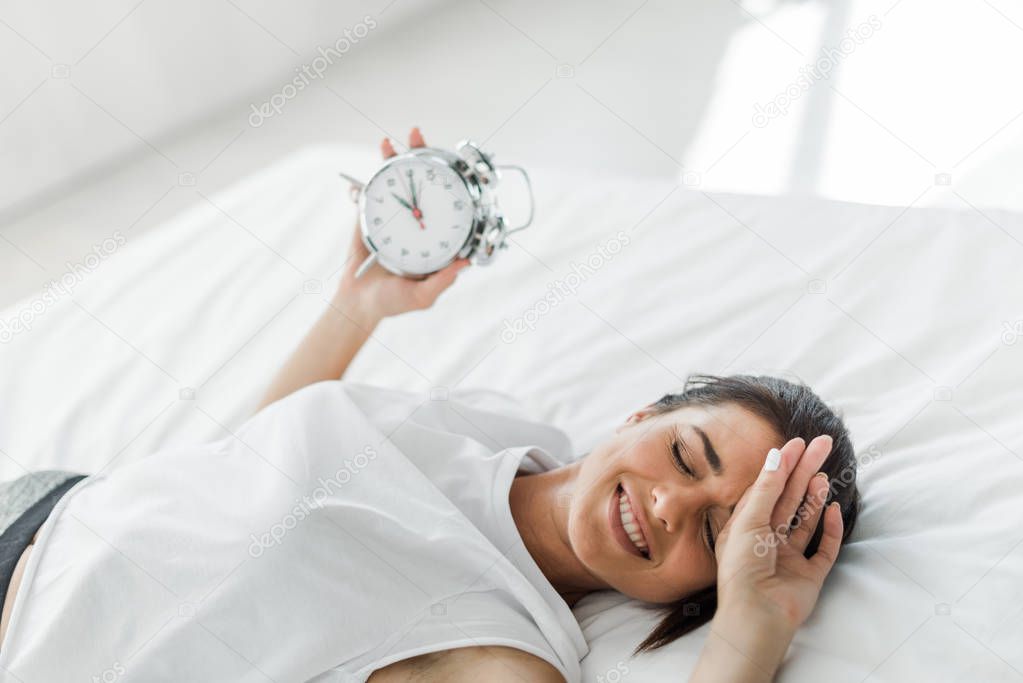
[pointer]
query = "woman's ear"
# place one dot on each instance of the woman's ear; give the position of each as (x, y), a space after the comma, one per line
(638, 416)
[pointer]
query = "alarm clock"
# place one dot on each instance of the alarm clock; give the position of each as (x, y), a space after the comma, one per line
(428, 207)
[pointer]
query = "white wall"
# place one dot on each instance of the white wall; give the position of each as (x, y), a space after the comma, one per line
(86, 84)
(650, 88)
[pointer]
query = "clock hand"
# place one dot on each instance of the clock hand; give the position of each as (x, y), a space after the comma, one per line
(416, 213)
(402, 202)
(412, 189)
(415, 200)
(409, 191)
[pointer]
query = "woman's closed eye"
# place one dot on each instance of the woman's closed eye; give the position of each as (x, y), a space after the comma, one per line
(677, 449)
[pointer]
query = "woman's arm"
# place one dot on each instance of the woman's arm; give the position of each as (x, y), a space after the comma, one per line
(326, 350)
(354, 311)
(742, 647)
(766, 586)
(470, 665)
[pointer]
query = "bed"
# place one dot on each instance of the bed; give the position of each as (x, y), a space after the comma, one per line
(910, 321)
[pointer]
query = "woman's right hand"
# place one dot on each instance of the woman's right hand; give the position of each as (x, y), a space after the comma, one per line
(379, 293)
(766, 587)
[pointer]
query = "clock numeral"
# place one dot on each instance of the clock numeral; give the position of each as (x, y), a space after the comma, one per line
(377, 221)
(430, 175)
(404, 251)
(424, 254)
(378, 200)
(386, 240)
(390, 182)
(459, 205)
(443, 244)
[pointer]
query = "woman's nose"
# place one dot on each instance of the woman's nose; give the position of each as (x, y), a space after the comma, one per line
(669, 507)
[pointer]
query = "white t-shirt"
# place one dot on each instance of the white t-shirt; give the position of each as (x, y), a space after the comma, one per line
(338, 530)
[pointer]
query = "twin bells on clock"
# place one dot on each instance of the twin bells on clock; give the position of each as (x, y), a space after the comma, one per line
(428, 207)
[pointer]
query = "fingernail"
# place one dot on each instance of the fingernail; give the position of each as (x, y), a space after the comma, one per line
(773, 460)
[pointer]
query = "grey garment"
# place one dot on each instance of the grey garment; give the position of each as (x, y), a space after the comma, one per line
(25, 504)
(17, 496)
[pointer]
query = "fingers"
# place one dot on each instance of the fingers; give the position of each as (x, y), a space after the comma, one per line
(809, 513)
(758, 502)
(415, 138)
(357, 249)
(827, 552)
(792, 496)
(429, 289)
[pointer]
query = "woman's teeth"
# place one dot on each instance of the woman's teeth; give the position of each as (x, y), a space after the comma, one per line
(629, 522)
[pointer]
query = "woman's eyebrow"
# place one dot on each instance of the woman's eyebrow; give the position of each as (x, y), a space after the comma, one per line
(712, 457)
(708, 452)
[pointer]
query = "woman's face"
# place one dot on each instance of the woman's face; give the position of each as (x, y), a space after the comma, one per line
(637, 469)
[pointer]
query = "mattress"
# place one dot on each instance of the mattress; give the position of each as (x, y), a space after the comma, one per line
(909, 321)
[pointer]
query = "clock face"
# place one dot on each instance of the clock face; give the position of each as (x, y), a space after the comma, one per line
(418, 214)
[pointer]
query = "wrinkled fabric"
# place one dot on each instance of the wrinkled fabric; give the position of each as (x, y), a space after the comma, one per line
(339, 529)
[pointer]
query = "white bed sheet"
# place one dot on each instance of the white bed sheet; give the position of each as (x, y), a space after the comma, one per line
(906, 320)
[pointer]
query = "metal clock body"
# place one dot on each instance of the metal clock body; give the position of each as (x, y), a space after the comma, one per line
(423, 209)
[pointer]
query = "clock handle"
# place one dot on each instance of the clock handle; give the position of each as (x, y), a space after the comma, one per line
(532, 202)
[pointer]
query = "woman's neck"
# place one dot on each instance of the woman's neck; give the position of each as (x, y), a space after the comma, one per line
(540, 506)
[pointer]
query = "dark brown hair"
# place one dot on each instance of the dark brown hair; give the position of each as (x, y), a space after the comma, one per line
(792, 410)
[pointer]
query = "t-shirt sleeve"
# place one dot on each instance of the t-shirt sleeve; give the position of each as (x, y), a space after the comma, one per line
(491, 401)
(494, 418)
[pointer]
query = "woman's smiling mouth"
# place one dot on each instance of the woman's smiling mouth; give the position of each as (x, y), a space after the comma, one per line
(626, 526)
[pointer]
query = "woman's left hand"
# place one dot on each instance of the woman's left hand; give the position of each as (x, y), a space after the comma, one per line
(762, 570)
(380, 293)
(766, 588)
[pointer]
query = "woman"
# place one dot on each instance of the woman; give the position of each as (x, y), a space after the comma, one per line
(710, 504)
